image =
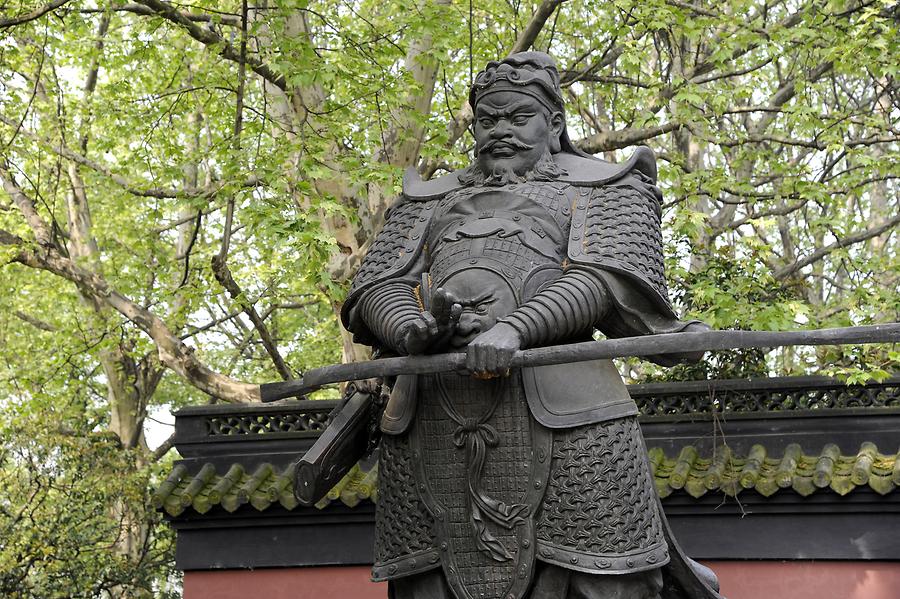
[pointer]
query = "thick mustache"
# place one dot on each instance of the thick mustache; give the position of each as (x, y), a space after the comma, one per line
(510, 143)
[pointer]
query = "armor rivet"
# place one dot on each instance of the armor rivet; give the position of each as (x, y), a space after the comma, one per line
(547, 552)
(573, 559)
(422, 219)
(603, 563)
(434, 559)
(651, 559)
(392, 569)
(415, 236)
(422, 487)
(526, 543)
(412, 563)
(443, 546)
(517, 218)
(576, 237)
(473, 261)
(629, 562)
(542, 455)
(537, 484)
(580, 206)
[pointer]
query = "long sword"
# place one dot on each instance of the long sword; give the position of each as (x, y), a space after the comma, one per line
(648, 345)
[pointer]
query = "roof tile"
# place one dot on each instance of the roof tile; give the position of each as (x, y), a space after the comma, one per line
(722, 471)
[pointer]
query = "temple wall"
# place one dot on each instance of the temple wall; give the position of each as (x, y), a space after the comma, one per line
(740, 580)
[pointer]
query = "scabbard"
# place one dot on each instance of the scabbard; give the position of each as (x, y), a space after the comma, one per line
(342, 444)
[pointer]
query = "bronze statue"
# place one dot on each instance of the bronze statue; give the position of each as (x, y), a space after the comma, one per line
(534, 482)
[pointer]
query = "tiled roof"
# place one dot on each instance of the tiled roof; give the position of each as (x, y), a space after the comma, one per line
(804, 474)
(690, 471)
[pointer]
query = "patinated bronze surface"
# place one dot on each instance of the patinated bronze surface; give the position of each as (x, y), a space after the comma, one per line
(529, 482)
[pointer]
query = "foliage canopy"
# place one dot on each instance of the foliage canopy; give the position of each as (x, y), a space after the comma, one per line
(189, 187)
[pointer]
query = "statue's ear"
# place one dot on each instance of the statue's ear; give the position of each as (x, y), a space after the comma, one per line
(557, 122)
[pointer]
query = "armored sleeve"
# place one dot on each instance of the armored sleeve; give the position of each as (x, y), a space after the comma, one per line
(383, 285)
(567, 308)
(386, 310)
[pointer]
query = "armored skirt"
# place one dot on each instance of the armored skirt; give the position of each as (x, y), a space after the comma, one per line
(479, 500)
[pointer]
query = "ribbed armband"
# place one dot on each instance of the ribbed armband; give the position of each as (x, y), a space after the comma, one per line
(386, 309)
(566, 309)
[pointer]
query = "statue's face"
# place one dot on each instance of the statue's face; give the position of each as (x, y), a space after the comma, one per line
(484, 297)
(512, 131)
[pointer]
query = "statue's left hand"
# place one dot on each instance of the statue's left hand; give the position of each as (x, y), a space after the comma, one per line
(491, 352)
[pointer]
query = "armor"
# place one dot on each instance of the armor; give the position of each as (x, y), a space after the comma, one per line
(500, 483)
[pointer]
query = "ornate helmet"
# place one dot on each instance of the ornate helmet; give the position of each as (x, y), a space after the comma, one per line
(530, 73)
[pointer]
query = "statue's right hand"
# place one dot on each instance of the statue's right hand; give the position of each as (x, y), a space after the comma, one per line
(417, 335)
(432, 329)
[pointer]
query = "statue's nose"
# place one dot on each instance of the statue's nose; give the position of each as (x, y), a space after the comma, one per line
(468, 324)
(501, 129)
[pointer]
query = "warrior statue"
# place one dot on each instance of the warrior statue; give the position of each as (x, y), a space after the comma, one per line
(534, 482)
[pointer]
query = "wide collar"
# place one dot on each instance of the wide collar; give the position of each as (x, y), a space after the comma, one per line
(580, 170)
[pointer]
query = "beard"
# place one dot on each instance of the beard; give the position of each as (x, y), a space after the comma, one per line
(545, 169)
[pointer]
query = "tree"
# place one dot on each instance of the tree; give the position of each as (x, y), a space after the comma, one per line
(189, 188)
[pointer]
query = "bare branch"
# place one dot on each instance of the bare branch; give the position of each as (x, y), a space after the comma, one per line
(535, 25)
(172, 352)
(214, 41)
(26, 206)
(35, 322)
(869, 233)
(224, 277)
(614, 140)
(35, 14)
(163, 449)
(139, 9)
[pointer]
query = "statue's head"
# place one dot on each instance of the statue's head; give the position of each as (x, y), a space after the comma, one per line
(519, 117)
(484, 296)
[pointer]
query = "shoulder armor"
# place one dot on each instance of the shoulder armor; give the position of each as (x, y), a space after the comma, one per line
(394, 249)
(592, 172)
(617, 228)
(580, 171)
(418, 190)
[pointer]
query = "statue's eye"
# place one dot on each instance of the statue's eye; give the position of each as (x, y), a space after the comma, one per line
(486, 122)
(481, 309)
(520, 119)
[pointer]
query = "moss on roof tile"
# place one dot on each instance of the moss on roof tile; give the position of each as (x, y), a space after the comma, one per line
(688, 471)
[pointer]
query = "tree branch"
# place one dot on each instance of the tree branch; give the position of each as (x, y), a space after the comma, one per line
(224, 277)
(614, 140)
(26, 207)
(172, 352)
(139, 9)
(35, 14)
(535, 25)
(152, 192)
(35, 322)
(869, 233)
(214, 41)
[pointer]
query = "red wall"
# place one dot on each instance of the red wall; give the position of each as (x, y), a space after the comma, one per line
(740, 580)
